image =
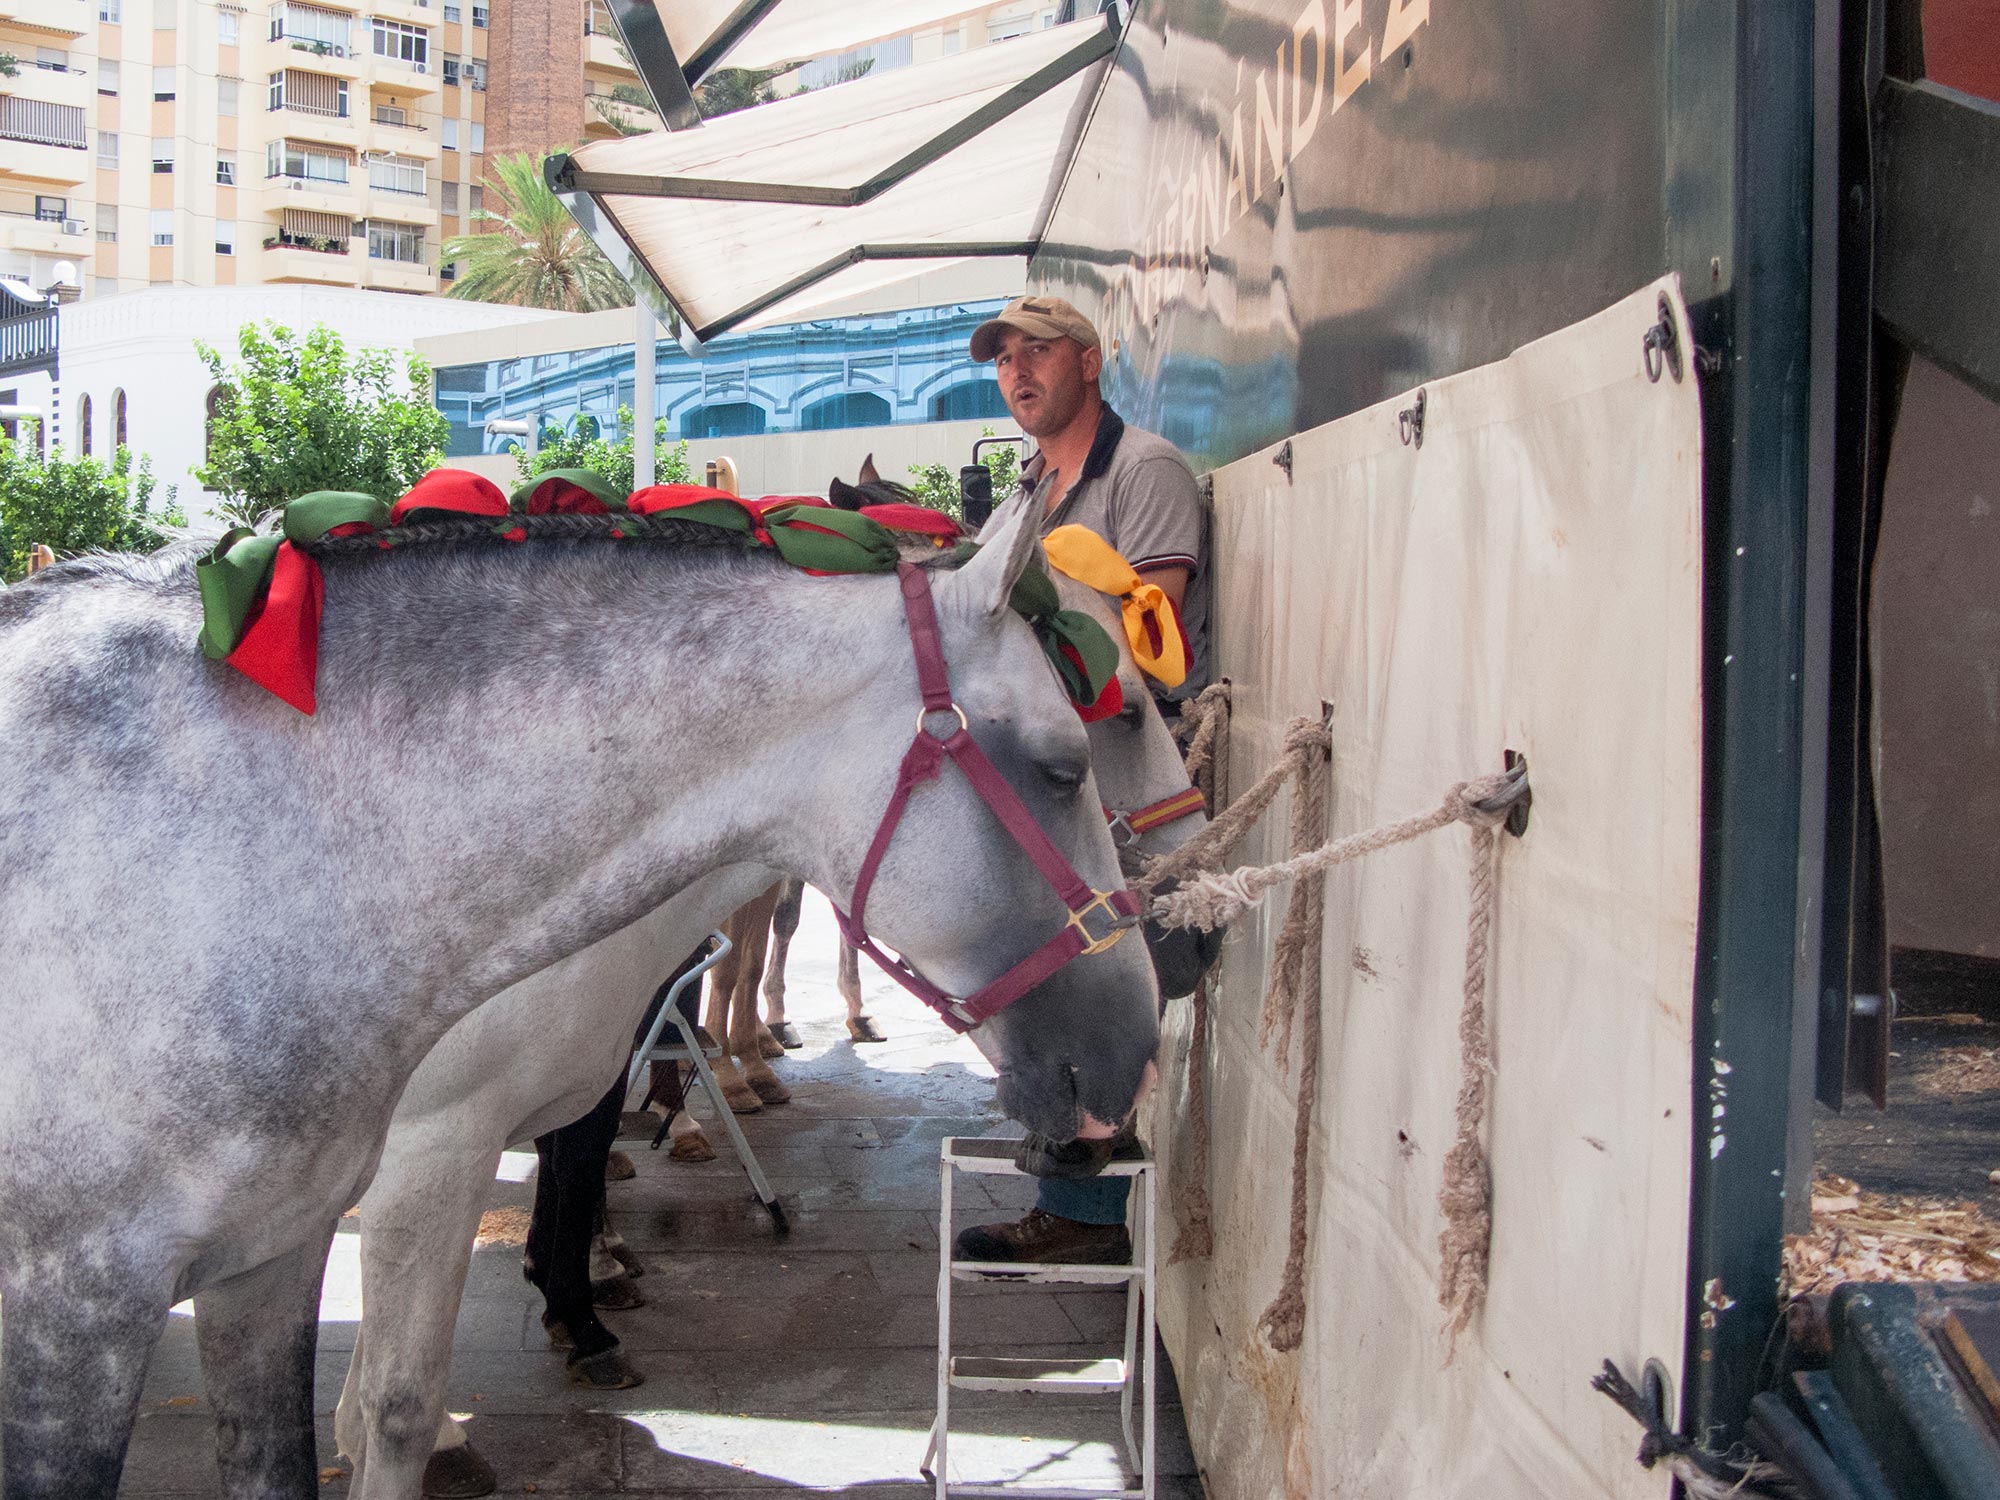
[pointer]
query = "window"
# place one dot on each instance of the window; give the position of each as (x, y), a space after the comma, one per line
(448, 272)
(728, 419)
(108, 11)
(225, 169)
(596, 18)
(290, 159)
(850, 409)
(163, 226)
(396, 174)
(107, 149)
(403, 43)
(83, 426)
(107, 223)
(107, 76)
(448, 134)
(309, 93)
(451, 13)
(310, 29)
(476, 198)
(163, 82)
(51, 210)
(118, 419)
(479, 15)
(478, 136)
(225, 96)
(451, 70)
(228, 28)
(225, 236)
(448, 197)
(164, 16)
(403, 243)
(968, 399)
(52, 59)
(475, 73)
(163, 153)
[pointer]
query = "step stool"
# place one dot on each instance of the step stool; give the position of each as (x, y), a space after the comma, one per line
(1132, 1376)
(689, 1048)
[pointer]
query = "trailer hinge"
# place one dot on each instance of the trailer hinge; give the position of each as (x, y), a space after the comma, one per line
(1662, 345)
(1283, 457)
(1410, 422)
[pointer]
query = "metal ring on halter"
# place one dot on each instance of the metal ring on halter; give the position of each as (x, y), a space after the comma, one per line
(953, 708)
(1120, 924)
(1120, 824)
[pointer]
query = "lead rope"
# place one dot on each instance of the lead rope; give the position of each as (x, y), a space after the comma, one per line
(1209, 899)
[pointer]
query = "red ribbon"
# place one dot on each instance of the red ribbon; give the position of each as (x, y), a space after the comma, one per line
(459, 491)
(280, 648)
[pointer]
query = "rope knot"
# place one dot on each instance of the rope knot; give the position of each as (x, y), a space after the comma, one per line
(1309, 739)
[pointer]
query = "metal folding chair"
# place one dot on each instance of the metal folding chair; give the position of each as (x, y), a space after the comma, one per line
(688, 1047)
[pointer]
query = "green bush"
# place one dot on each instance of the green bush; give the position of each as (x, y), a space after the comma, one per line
(579, 446)
(77, 505)
(936, 485)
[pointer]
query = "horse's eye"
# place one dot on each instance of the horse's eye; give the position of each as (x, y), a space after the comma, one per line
(1064, 775)
(1132, 713)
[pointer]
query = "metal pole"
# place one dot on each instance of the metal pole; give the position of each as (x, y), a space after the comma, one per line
(642, 397)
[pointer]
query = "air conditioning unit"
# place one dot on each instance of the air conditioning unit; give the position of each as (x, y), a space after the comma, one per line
(74, 226)
(420, 67)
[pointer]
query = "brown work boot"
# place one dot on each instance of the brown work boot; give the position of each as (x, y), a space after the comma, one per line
(1047, 1238)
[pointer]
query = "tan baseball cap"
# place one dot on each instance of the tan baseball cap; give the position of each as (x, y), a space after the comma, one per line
(1041, 317)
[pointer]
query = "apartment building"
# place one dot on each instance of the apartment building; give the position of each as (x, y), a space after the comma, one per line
(205, 143)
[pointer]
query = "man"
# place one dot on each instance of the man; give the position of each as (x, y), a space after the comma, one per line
(1136, 491)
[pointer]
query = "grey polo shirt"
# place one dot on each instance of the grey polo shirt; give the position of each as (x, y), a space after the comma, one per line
(1138, 493)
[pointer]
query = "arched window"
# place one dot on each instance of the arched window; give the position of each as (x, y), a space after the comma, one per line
(211, 409)
(83, 426)
(117, 420)
(849, 409)
(725, 419)
(968, 399)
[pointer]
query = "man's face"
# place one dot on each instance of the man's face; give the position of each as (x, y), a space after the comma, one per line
(1045, 382)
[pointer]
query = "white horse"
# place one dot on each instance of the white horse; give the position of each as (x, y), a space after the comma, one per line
(519, 751)
(540, 1055)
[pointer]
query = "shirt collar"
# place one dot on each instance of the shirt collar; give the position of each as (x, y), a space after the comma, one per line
(1110, 428)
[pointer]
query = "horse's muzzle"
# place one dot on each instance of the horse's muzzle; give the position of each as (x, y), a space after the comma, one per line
(1181, 955)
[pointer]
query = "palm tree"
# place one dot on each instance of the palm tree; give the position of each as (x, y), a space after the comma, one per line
(532, 254)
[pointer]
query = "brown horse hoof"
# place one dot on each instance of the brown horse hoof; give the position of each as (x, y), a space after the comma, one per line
(788, 1036)
(458, 1474)
(693, 1146)
(626, 1257)
(618, 1168)
(770, 1090)
(768, 1045)
(608, 1371)
(616, 1293)
(742, 1099)
(864, 1029)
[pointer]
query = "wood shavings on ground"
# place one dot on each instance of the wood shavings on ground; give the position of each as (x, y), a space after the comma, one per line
(502, 1226)
(1961, 1070)
(1862, 1236)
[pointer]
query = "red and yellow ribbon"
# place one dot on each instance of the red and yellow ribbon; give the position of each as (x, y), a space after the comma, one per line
(1159, 645)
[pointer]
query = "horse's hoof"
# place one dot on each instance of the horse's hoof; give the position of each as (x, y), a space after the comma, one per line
(618, 1168)
(864, 1029)
(770, 1090)
(628, 1258)
(458, 1474)
(558, 1332)
(742, 1099)
(788, 1036)
(608, 1371)
(768, 1044)
(693, 1146)
(616, 1293)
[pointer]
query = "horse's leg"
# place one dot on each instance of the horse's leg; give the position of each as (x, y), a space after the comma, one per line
(569, 1189)
(784, 926)
(747, 1037)
(860, 1025)
(73, 1358)
(416, 1246)
(721, 987)
(257, 1332)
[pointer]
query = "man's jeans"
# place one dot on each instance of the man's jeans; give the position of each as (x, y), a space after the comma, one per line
(1094, 1200)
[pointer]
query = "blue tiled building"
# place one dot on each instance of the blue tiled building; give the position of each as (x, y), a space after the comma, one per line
(866, 371)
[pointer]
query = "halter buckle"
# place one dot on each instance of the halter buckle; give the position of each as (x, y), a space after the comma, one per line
(1120, 824)
(924, 714)
(1120, 924)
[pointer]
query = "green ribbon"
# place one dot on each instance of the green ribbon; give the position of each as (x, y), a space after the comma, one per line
(858, 546)
(1036, 601)
(232, 580)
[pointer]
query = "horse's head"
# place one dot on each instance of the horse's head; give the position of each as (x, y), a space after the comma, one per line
(1138, 767)
(869, 488)
(956, 893)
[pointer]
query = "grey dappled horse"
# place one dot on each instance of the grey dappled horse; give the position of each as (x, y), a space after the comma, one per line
(270, 920)
(539, 1055)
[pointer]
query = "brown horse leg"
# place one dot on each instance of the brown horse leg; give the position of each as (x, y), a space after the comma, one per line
(860, 1026)
(784, 926)
(747, 1036)
(737, 1094)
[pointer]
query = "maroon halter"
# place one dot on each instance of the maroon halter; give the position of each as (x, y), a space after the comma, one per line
(1097, 919)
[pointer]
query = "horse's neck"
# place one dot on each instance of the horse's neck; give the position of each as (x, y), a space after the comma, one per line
(585, 742)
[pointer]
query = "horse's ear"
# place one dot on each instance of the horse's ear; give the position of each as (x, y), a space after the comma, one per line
(1007, 545)
(868, 474)
(845, 496)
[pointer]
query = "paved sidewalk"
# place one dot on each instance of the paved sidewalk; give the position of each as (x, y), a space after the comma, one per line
(788, 1366)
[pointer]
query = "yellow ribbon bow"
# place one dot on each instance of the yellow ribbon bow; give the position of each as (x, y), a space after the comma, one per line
(1150, 623)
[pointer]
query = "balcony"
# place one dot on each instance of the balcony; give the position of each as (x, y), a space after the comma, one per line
(286, 52)
(404, 77)
(606, 117)
(600, 51)
(401, 207)
(311, 122)
(409, 11)
(404, 139)
(36, 235)
(299, 262)
(304, 194)
(398, 276)
(62, 17)
(44, 142)
(48, 85)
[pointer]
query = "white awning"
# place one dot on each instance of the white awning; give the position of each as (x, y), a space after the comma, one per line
(764, 35)
(759, 216)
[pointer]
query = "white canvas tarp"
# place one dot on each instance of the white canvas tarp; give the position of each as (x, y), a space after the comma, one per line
(1528, 579)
